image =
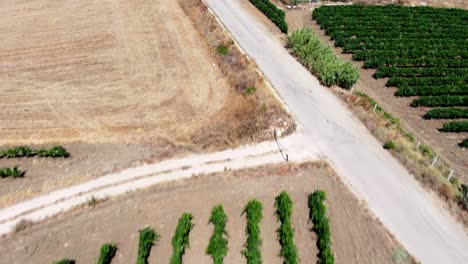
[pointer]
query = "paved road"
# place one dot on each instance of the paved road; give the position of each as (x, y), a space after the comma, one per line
(417, 220)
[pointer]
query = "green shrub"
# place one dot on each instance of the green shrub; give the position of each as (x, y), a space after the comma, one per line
(251, 252)
(11, 172)
(250, 90)
(107, 253)
(22, 151)
(455, 126)
(320, 59)
(317, 214)
(284, 206)
(464, 143)
(222, 50)
(276, 15)
(446, 113)
(389, 145)
(147, 239)
(65, 261)
(180, 240)
(217, 247)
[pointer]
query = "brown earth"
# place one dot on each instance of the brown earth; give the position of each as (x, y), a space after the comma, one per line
(445, 144)
(357, 236)
(118, 83)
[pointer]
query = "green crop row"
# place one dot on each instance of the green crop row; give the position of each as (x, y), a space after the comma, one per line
(284, 207)
(317, 214)
(420, 81)
(251, 252)
(107, 253)
(11, 172)
(321, 61)
(453, 54)
(180, 240)
(218, 245)
(275, 14)
(383, 72)
(355, 44)
(420, 62)
(464, 143)
(146, 240)
(455, 126)
(446, 113)
(20, 152)
(440, 101)
(432, 90)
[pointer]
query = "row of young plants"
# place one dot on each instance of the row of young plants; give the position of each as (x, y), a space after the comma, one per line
(284, 207)
(13, 172)
(321, 226)
(107, 253)
(420, 62)
(464, 144)
(426, 81)
(405, 90)
(180, 240)
(446, 113)
(354, 44)
(384, 71)
(253, 212)
(455, 126)
(320, 59)
(441, 101)
(27, 152)
(275, 14)
(416, 53)
(218, 245)
(146, 241)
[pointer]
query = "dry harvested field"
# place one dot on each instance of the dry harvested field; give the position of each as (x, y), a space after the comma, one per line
(117, 83)
(356, 235)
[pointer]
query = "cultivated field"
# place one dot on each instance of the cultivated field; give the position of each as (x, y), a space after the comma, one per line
(117, 83)
(356, 236)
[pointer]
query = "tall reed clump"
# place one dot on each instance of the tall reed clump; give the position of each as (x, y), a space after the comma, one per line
(317, 214)
(180, 240)
(284, 207)
(321, 61)
(251, 252)
(217, 247)
(147, 239)
(107, 253)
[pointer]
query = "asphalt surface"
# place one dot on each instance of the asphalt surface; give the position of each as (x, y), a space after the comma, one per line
(417, 219)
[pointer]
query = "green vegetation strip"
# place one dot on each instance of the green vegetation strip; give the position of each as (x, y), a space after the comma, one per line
(252, 253)
(446, 113)
(65, 261)
(20, 152)
(464, 143)
(441, 101)
(217, 247)
(147, 239)
(405, 90)
(107, 253)
(284, 207)
(275, 14)
(180, 240)
(11, 172)
(455, 126)
(320, 59)
(317, 214)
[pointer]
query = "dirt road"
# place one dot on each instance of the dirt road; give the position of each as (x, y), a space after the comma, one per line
(418, 220)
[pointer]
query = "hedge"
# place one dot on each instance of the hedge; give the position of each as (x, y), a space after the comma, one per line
(320, 59)
(107, 253)
(446, 113)
(275, 14)
(317, 214)
(180, 240)
(405, 90)
(455, 126)
(284, 206)
(22, 151)
(11, 172)
(147, 239)
(444, 101)
(218, 245)
(252, 253)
